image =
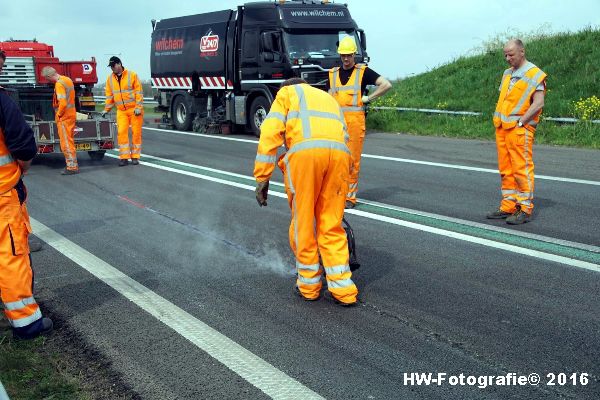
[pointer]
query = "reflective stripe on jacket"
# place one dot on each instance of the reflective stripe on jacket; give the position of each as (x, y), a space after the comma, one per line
(300, 117)
(513, 103)
(10, 172)
(63, 100)
(348, 96)
(125, 93)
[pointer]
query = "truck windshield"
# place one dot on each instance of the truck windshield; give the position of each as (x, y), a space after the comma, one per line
(315, 45)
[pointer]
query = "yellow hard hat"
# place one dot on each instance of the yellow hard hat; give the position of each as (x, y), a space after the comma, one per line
(347, 45)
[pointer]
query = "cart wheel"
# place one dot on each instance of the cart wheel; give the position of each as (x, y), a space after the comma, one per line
(97, 155)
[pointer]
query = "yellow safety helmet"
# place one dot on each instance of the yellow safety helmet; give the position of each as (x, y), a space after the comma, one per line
(347, 45)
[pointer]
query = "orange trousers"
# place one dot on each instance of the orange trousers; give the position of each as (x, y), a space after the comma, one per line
(16, 276)
(515, 163)
(355, 123)
(66, 134)
(125, 119)
(316, 182)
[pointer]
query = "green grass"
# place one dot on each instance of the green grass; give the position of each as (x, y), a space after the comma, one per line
(471, 84)
(577, 135)
(28, 371)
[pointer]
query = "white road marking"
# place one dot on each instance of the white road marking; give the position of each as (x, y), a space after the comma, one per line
(395, 159)
(396, 221)
(477, 169)
(252, 368)
(487, 227)
(485, 242)
(202, 135)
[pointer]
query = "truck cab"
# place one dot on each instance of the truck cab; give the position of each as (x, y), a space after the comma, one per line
(226, 66)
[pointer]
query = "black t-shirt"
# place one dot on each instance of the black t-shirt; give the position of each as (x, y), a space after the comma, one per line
(369, 78)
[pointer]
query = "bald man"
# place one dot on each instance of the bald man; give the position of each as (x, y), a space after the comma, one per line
(517, 114)
(65, 116)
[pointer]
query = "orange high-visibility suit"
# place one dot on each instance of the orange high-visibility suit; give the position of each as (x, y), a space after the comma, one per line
(65, 115)
(349, 97)
(514, 143)
(16, 291)
(316, 169)
(125, 92)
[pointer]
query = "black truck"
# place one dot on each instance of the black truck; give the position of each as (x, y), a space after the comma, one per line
(225, 67)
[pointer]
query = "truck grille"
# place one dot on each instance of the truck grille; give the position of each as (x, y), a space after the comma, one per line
(315, 77)
(18, 71)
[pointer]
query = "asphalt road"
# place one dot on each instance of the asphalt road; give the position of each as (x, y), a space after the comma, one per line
(442, 289)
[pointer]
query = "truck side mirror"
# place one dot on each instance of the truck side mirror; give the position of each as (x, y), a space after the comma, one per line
(363, 39)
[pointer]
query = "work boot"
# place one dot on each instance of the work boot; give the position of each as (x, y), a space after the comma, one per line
(330, 297)
(34, 244)
(123, 162)
(518, 218)
(349, 204)
(43, 326)
(135, 161)
(69, 172)
(498, 214)
(299, 294)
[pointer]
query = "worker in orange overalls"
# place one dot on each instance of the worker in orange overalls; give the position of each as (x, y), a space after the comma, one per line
(17, 149)
(348, 85)
(517, 115)
(124, 90)
(65, 115)
(316, 167)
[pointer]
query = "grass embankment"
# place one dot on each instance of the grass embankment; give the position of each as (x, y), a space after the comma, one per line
(29, 370)
(471, 84)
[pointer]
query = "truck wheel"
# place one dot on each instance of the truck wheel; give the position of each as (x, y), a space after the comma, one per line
(97, 155)
(258, 112)
(181, 114)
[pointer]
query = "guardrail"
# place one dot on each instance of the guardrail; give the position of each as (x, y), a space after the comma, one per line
(473, 114)
(147, 100)
(150, 100)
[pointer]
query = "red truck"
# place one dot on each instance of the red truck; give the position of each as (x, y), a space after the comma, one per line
(22, 75)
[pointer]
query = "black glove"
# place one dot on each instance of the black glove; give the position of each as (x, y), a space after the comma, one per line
(21, 191)
(261, 193)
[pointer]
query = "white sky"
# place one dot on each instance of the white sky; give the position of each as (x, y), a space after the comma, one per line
(404, 37)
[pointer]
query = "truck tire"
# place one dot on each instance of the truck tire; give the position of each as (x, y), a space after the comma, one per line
(97, 155)
(258, 112)
(181, 114)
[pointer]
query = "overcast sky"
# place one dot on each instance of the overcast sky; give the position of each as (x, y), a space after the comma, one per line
(404, 37)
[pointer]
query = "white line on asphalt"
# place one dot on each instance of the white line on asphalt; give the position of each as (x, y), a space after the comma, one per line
(477, 169)
(396, 221)
(203, 135)
(439, 217)
(395, 159)
(252, 368)
(487, 227)
(3, 394)
(485, 242)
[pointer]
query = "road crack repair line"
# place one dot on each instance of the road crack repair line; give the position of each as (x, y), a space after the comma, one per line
(202, 232)
(461, 347)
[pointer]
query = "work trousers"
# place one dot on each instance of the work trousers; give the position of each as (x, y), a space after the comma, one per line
(355, 123)
(515, 163)
(316, 183)
(66, 134)
(16, 275)
(125, 119)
